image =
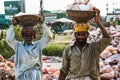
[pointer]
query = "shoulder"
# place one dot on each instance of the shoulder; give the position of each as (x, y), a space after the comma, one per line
(70, 46)
(69, 49)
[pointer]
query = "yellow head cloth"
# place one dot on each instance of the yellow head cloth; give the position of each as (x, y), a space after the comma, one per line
(81, 27)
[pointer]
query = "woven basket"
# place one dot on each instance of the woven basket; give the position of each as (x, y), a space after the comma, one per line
(80, 16)
(27, 20)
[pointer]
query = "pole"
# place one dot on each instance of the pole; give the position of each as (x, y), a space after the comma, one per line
(41, 7)
(22, 6)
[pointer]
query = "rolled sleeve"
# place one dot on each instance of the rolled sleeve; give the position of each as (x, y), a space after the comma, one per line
(104, 43)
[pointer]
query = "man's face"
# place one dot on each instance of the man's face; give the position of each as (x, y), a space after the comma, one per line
(81, 37)
(28, 35)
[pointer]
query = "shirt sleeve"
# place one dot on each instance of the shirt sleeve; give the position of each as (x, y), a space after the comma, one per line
(103, 43)
(46, 37)
(65, 62)
(10, 37)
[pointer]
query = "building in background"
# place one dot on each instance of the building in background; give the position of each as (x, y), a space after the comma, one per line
(11, 8)
(113, 10)
(8, 9)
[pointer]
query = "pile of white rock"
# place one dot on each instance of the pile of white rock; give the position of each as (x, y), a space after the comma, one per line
(83, 5)
(110, 57)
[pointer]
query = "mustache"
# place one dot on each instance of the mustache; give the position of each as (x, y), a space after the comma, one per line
(81, 41)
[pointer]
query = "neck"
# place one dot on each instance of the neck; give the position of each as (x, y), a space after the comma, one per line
(28, 43)
(80, 46)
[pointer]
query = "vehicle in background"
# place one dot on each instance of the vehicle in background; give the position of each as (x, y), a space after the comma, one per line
(4, 22)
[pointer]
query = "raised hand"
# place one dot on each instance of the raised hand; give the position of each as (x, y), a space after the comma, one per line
(14, 21)
(97, 15)
(41, 19)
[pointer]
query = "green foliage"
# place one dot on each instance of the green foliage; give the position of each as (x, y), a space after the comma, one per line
(54, 49)
(17, 31)
(5, 50)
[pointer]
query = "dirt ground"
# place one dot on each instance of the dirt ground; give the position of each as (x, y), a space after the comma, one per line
(63, 38)
(52, 67)
(59, 38)
(56, 65)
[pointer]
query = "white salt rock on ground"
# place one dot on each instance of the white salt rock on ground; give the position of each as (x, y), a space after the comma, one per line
(118, 47)
(113, 58)
(109, 75)
(106, 69)
(105, 54)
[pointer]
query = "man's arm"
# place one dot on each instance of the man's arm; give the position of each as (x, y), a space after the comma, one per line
(47, 34)
(46, 31)
(65, 65)
(97, 20)
(10, 35)
(62, 75)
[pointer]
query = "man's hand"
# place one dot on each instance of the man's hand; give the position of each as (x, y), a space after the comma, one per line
(97, 15)
(14, 22)
(41, 19)
(99, 23)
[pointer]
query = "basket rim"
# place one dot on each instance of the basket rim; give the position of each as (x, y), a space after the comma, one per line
(75, 15)
(78, 11)
(27, 20)
(25, 14)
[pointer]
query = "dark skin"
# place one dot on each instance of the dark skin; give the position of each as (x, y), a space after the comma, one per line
(28, 33)
(81, 38)
(100, 25)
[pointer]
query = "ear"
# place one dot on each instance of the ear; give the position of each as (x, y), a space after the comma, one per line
(87, 34)
(75, 34)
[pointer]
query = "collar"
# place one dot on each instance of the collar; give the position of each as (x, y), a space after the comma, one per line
(26, 44)
(74, 44)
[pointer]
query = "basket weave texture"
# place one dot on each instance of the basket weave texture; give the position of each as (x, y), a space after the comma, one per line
(80, 16)
(27, 20)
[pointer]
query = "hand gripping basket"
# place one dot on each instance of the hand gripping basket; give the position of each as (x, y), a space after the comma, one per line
(27, 20)
(80, 16)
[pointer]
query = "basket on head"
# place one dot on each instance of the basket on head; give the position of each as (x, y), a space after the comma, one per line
(80, 16)
(27, 20)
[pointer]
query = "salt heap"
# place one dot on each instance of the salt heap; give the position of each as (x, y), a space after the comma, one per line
(82, 5)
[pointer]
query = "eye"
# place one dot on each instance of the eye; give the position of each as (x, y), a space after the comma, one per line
(82, 34)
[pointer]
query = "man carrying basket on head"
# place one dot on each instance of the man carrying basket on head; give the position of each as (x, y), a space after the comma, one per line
(81, 60)
(28, 64)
